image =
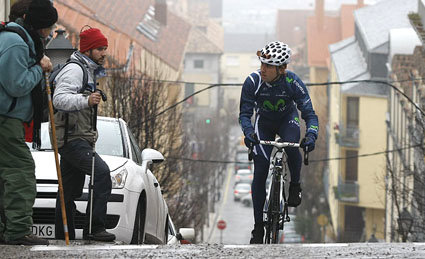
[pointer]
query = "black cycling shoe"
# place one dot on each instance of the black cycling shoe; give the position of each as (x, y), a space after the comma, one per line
(257, 235)
(294, 195)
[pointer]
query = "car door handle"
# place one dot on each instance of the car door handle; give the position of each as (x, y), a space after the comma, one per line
(156, 184)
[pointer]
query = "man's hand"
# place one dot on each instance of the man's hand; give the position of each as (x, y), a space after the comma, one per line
(94, 99)
(308, 143)
(251, 140)
(45, 64)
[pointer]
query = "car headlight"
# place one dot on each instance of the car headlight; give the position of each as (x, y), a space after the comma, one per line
(118, 178)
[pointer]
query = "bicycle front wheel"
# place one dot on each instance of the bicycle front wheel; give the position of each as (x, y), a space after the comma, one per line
(273, 214)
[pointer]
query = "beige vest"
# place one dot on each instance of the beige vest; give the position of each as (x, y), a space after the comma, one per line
(80, 125)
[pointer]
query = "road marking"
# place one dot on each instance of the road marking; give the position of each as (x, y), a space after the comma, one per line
(229, 177)
(92, 247)
(325, 245)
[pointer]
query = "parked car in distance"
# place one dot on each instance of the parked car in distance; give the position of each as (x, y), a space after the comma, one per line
(242, 162)
(244, 176)
(241, 190)
(247, 200)
(137, 212)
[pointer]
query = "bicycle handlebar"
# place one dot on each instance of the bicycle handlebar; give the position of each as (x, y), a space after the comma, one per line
(280, 145)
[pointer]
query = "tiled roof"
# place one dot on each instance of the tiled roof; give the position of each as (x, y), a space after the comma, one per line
(126, 16)
(73, 16)
(318, 39)
(335, 28)
(350, 65)
(347, 20)
(374, 23)
(348, 60)
(200, 43)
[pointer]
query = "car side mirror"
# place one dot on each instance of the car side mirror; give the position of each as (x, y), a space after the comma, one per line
(152, 156)
(186, 234)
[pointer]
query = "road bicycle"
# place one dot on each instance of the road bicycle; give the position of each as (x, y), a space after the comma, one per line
(276, 205)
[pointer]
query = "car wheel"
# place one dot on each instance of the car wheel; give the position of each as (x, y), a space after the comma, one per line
(139, 222)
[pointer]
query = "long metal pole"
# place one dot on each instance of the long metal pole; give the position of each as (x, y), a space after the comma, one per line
(55, 148)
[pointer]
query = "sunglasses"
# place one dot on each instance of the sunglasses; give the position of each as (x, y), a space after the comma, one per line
(266, 56)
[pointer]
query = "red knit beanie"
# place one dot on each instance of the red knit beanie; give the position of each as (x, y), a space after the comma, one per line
(91, 39)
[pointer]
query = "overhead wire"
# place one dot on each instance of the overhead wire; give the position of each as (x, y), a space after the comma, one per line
(311, 161)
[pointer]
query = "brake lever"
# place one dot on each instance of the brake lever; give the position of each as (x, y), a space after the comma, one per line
(305, 155)
(250, 156)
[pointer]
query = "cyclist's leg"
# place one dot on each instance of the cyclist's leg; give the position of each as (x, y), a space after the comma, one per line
(290, 132)
(261, 168)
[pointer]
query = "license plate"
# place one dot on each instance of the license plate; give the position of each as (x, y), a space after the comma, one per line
(43, 230)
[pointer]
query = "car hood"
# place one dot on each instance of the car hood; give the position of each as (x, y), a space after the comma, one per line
(45, 166)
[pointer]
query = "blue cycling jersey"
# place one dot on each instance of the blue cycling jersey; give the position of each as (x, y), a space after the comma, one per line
(273, 101)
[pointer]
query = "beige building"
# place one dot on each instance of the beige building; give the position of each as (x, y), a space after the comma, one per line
(239, 60)
(357, 123)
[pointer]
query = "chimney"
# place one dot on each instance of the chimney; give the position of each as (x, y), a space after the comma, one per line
(161, 11)
(320, 14)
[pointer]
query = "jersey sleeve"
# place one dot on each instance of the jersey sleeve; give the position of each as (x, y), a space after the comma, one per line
(303, 102)
(247, 104)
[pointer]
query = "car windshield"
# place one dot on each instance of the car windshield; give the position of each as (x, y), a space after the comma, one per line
(244, 172)
(109, 141)
(243, 187)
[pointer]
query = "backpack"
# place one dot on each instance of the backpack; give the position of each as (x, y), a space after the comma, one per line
(56, 70)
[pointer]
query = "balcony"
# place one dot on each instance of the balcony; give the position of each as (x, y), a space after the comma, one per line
(347, 191)
(349, 137)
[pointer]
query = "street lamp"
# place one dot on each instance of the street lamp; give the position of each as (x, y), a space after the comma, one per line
(59, 49)
(405, 222)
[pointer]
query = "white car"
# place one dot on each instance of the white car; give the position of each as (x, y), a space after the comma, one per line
(137, 212)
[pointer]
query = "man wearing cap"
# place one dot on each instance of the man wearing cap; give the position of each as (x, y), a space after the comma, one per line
(22, 63)
(76, 104)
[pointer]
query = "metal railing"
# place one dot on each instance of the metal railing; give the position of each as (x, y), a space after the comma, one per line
(347, 191)
(349, 136)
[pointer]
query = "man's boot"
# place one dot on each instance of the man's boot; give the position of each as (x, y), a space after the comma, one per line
(257, 235)
(294, 195)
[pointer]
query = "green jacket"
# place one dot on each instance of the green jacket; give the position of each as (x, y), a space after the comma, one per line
(18, 75)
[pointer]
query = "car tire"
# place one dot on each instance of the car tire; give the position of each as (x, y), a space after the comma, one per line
(139, 222)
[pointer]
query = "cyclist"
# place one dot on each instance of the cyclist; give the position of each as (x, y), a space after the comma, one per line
(275, 94)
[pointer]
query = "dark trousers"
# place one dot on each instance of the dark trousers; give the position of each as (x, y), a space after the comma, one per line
(76, 163)
(17, 181)
(288, 129)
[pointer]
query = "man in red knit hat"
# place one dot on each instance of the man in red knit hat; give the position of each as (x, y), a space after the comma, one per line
(76, 100)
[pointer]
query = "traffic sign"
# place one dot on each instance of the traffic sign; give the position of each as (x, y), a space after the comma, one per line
(322, 220)
(221, 224)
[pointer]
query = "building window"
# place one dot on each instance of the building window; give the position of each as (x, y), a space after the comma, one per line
(352, 111)
(232, 61)
(351, 165)
(198, 63)
(189, 89)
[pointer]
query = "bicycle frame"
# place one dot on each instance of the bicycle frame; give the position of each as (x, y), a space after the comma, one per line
(276, 207)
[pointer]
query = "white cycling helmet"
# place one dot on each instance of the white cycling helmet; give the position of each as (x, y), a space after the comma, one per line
(275, 53)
